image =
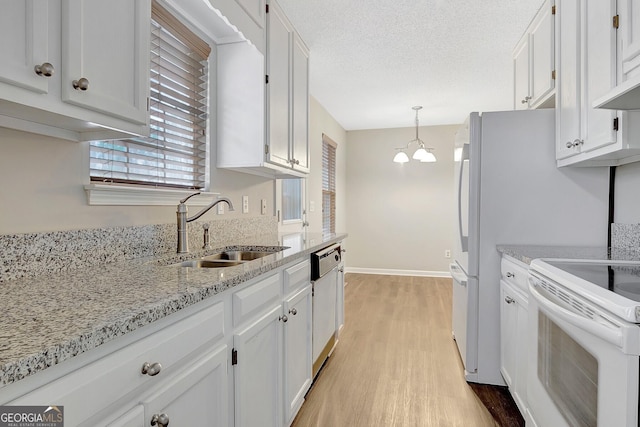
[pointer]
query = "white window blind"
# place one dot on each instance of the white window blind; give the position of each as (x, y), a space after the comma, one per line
(328, 185)
(175, 153)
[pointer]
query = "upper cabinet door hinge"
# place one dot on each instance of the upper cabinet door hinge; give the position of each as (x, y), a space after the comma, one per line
(616, 21)
(266, 148)
(615, 124)
(266, 7)
(266, 79)
(553, 74)
(553, 9)
(234, 357)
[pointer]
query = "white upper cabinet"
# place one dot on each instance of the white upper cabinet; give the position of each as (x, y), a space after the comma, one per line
(263, 103)
(248, 17)
(534, 62)
(625, 94)
(75, 69)
(105, 59)
(586, 50)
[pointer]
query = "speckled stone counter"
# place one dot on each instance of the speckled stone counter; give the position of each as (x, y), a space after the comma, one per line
(527, 254)
(52, 317)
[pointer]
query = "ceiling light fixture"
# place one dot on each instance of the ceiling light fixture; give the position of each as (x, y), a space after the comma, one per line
(423, 154)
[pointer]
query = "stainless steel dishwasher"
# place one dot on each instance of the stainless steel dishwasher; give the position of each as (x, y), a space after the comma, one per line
(324, 276)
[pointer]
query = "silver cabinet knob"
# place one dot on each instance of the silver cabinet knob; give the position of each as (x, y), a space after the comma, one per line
(293, 311)
(151, 369)
(44, 70)
(577, 142)
(81, 84)
(284, 318)
(510, 274)
(526, 99)
(569, 144)
(161, 420)
(509, 300)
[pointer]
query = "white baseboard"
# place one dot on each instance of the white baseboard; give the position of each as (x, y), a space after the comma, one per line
(390, 272)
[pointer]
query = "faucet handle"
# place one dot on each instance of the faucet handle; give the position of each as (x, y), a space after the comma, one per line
(188, 197)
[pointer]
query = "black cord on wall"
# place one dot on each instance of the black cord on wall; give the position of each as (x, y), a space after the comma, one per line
(612, 193)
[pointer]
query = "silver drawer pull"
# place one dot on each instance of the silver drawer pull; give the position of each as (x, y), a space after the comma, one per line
(510, 274)
(161, 420)
(81, 84)
(293, 311)
(509, 300)
(284, 318)
(44, 70)
(151, 369)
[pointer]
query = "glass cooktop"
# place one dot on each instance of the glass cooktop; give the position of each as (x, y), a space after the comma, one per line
(623, 279)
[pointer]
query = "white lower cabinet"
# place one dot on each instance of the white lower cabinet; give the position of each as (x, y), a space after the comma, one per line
(513, 330)
(297, 351)
(191, 368)
(257, 374)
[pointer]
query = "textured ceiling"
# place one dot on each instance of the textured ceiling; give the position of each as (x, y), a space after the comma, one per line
(372, 60)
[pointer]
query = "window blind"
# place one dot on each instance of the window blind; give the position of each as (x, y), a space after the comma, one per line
(328, 185)
(175, 153)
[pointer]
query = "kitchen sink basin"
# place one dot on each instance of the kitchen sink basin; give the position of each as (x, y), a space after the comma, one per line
(206, 263)
(237, 255)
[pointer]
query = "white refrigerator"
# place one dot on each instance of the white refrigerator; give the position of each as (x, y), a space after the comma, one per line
(509, 191)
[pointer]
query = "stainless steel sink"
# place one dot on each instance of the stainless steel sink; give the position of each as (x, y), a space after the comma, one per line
(205, 263)
(237, 255)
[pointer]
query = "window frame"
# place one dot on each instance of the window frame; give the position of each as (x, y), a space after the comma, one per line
(118, 194)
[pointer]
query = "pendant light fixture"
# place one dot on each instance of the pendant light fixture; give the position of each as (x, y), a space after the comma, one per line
(422, 154)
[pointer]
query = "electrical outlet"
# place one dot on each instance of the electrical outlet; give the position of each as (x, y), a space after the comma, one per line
(245, 204)
(447, 253)
(312, 206)
(263, 206)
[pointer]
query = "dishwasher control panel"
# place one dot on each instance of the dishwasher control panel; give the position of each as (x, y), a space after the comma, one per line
(325, 260)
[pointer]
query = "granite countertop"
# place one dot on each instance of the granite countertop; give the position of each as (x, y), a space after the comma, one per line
(53, 317)
(527, 253)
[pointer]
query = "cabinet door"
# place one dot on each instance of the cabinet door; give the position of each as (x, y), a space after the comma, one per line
(196, 395)
(297, 351)
(257, 372)
(508, 334)
(107, 43)
(598, 72)
(541, 41)
(568, 70)
(24, 43)
(521, 74)
(628, 39)
(278, 69)
(300, 113)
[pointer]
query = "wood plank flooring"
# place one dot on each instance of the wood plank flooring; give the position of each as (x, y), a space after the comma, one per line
(396, 363)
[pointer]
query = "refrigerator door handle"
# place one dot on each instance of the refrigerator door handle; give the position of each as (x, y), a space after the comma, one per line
(464, 240)
(458, 275)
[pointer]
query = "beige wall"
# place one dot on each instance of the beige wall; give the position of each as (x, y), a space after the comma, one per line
(42, 189)
(321, 122)
(400, 216)
(627, 202)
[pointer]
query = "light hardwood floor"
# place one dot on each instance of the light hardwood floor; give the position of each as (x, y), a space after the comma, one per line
(396, 363)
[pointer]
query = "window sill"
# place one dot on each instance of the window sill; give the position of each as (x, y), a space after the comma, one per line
(120, 195)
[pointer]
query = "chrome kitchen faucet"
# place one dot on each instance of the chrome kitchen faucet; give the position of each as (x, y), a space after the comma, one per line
(183, 239)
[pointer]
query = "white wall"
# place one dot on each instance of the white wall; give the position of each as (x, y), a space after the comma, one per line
(42, 189)
(321, 122)
(627, 194)
(399, 216)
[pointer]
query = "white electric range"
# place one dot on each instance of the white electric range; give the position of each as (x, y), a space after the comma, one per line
(584, 343)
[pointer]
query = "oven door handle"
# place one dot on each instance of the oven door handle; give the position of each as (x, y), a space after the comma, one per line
(588, 325)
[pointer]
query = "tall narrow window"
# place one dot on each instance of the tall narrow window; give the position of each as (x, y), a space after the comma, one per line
(292, 199)
(175, 153)
(328, 185)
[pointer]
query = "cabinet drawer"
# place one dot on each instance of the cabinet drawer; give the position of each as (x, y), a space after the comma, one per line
(253, 299)
(515, 273)
(93, 387)
(297, 276)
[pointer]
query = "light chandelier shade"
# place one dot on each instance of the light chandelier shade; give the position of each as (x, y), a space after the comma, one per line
(422, 154)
